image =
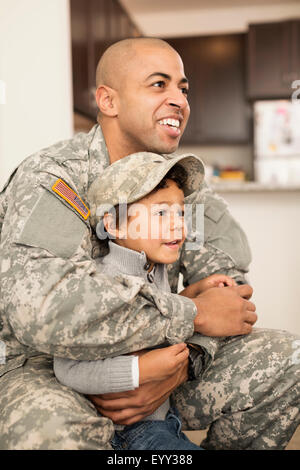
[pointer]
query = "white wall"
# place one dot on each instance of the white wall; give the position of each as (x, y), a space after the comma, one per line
(170, 20)
(35, 65)
(272, 223)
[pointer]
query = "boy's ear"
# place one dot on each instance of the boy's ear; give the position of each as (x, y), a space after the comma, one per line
(106, 101)
(109, 223)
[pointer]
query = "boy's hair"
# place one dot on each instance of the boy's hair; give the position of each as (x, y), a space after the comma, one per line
(177, 173)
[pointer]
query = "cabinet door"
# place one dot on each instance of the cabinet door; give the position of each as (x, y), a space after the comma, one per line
(80, 55)
(273, 59)
(215, 68)
(95, 25)
(295, 44)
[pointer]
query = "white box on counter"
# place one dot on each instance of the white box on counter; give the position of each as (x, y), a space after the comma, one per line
(281, 171)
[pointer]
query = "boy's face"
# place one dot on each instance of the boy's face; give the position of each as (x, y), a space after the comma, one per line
(155, 224)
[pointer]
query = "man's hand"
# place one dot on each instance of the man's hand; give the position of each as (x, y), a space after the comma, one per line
(129, 407)
(225, 312)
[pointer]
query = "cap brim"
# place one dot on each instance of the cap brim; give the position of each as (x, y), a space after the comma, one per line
(192, 164)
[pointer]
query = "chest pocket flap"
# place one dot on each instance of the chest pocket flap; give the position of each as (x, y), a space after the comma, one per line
(213, 212)
(53, 226)
(223, 232)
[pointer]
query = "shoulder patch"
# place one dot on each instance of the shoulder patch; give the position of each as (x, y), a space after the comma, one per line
(64, 191)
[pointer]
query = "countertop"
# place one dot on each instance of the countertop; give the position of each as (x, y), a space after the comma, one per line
(251, 186)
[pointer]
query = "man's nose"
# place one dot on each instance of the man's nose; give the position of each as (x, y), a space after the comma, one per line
(177, 99)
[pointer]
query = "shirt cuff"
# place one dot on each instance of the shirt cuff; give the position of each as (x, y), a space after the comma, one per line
(135, 371)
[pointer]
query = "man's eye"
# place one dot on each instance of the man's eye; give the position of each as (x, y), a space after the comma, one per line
(159, 84)
(185, 91)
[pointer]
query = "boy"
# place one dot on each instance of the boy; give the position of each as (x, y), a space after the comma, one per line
(146, 238)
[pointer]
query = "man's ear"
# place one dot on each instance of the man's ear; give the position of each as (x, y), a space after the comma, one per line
(106, 101)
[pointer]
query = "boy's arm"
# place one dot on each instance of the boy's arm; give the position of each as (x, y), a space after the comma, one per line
(110, 375)
(120, 373)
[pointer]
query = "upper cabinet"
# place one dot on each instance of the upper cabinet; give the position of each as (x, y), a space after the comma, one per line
(95, 25)
(273, 59)
(215, 68)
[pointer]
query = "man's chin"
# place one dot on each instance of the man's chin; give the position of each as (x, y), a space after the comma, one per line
(165, 148)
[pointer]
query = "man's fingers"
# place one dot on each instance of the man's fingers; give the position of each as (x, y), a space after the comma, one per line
(131, 414)
(247, 328)
(250, 318)
(130, 407)
(122, 416)
(114, 404)
(112, 396)
(250, 306)
(245, 291)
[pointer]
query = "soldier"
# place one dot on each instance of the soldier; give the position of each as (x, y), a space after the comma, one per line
(54, 302)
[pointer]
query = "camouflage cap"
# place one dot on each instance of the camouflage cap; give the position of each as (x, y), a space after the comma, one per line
(133, 177)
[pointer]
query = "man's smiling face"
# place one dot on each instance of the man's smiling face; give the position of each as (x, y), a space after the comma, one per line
(153, 109)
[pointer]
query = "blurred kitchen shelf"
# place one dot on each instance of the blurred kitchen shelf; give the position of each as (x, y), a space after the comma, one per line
(251, 186)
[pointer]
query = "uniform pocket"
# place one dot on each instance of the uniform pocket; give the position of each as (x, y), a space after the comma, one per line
(53, 227)
(224, 233)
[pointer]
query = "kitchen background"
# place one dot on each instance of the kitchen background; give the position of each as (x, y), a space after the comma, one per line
(243, 62)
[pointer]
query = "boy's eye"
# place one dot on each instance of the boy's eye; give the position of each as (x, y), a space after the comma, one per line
(162, 212)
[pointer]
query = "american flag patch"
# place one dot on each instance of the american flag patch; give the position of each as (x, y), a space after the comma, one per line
(64, 191)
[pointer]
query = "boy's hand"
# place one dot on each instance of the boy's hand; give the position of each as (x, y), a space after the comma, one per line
(215, 280)
(159, 364)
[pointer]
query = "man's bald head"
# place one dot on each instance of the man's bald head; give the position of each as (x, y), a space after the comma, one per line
(117, 59)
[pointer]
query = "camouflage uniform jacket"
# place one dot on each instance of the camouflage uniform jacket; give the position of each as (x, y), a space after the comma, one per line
(54, 301)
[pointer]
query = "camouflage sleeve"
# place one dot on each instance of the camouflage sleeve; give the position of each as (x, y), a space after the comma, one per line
(224, 247)
(55, 299)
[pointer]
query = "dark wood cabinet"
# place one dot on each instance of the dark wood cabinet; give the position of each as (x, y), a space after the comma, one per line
(95, 25)
(273, 59)
(215, 67)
